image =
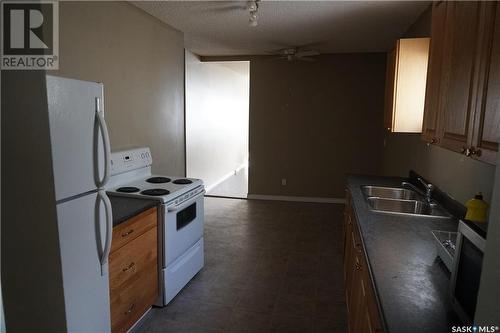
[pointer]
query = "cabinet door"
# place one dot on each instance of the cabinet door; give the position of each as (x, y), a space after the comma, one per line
(357, 298)
(458, 72)
(487, 118)
(434, 72)
(390, 84)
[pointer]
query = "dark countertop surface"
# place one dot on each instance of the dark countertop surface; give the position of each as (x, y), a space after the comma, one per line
(411, 283)
(125, 208)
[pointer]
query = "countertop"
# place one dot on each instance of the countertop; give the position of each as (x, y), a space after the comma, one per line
(125, 208)
(411, 283)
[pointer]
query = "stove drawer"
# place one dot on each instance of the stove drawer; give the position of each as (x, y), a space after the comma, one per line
(182, 270)
(133, 228)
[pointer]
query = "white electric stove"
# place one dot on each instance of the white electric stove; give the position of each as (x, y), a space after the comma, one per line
(180, 216)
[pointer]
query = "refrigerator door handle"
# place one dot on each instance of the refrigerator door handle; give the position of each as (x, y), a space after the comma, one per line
(109, 229)
(105, 138)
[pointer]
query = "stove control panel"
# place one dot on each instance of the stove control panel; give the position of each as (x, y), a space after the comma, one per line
(127, 160)
(186, 196)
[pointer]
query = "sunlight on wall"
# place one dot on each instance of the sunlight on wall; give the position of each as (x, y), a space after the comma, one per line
(217, 101)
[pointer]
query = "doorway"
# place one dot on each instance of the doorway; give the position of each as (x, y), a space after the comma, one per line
(217, 110)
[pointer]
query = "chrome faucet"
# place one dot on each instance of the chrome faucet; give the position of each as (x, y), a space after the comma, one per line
(428, 189)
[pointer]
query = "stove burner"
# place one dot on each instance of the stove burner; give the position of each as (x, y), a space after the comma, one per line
(158, 180)
(155, 192)
(182, 181)
(127, 189)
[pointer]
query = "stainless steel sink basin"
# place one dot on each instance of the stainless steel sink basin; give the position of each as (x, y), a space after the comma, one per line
(389, 192)
(406, 207)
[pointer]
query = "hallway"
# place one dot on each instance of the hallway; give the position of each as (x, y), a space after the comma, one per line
(235, 186)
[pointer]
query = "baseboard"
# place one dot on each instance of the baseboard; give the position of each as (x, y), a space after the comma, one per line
(225, 177)
(295, 198)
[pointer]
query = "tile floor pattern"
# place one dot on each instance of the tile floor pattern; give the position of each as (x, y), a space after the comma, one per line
(269, 267)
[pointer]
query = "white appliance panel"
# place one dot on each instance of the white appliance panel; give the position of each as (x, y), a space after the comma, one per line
(178, 241)
(78, 141)
(182, 270)
(128, 160)
(83, 231)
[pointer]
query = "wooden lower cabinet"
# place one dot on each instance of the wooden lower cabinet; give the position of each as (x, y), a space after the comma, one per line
(133, 269)
(362, 309)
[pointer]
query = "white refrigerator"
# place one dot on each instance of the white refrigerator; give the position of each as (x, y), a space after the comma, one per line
(81, 163)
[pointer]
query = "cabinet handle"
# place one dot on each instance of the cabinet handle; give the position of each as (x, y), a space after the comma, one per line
(132, 264)
(358, 266)
(125, 234)
(130, 309)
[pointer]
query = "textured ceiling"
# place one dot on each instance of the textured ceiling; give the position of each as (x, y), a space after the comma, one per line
(221, 27)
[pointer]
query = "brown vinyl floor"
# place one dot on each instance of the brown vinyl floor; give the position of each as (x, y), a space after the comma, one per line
(269, 267)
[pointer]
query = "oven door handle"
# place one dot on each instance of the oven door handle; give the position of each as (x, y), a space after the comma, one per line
(185, 203)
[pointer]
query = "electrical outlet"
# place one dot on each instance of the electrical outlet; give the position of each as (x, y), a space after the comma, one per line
(283, 181)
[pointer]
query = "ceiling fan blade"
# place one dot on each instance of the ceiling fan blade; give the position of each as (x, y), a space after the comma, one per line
(225, 7)
(307, 53)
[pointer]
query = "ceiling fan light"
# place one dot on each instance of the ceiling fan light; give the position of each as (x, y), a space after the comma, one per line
(252, 6)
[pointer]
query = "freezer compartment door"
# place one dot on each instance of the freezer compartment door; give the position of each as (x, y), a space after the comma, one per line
(78, 133)
(182, 270)
(83, 238)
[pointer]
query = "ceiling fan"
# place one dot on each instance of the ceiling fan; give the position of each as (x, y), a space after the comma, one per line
(297, 53)
(228, 6)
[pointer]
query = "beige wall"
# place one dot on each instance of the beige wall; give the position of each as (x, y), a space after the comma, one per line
(140, 60)
(461, 177)
(313, 122)
(216, 118)
(454, 173)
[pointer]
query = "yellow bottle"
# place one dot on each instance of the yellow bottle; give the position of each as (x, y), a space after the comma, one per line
(476, 209)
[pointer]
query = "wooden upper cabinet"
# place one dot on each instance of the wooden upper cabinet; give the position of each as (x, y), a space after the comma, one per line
(459, 56)
(405, 85)
(434, 72)
(462, 103)
(390, 75)
(487, 118)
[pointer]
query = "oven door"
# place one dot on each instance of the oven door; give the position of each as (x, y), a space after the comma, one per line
(466, 273)
(183, 227)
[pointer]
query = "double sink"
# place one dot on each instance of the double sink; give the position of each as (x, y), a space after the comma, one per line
(401, 201)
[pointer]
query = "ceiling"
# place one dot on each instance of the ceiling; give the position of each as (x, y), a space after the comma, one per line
(221, 27)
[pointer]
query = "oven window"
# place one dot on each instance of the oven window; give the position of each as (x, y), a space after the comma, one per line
(468, 276)
(185, 216)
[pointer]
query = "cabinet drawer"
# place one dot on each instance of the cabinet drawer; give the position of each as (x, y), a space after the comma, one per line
(128, 263)
(133, 300)
(133, 228)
